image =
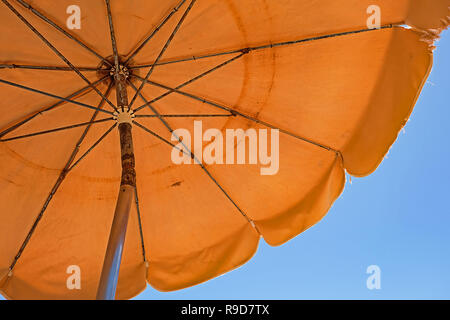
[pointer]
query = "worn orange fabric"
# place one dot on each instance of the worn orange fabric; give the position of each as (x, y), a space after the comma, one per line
(350, 93)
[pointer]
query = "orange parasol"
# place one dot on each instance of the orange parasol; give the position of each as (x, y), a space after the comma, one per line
(90, 87)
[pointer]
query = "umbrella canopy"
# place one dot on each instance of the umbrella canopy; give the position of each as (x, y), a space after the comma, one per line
(337, 91)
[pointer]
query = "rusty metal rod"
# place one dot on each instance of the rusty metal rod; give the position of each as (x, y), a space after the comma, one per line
(112, 34)
(67, 34)
(49, 68)
(138, 209)
(119, 78)
(53, 96)
(154, 32)
(164, 122)
(221, 65)
(58, 53)
(157, 135)
(189, 153)
(161, 53)
(83, 124)
(55, 188)
(266, 46)
(94, 145)
(51, 107)
(185, 115)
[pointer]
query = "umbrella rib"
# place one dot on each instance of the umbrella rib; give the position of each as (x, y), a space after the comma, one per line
(238, 113)
(255, 48)
(53, 106)
(54, 96)
(83, 124)
(150, 106)
(95, 144)
(185, 115)
(154, 32)
(157, 135)
(174, 32)
(50, 68)
(59, 54)
(56, 186)
(161, 117)
(189, 153)
(189, 81)
(113, 35)
(67, 34)
(156, 114)
(136, 199)
(192, 155)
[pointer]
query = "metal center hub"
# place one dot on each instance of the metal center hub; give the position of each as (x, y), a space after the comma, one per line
(123, 71)
(124, 115)
(107, 68)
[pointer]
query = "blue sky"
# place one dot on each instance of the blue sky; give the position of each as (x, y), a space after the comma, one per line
(397, 218)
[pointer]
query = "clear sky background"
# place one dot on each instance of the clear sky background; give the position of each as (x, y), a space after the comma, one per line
(398, 218)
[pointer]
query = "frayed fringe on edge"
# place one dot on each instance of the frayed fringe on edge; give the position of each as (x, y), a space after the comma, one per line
(429, 36)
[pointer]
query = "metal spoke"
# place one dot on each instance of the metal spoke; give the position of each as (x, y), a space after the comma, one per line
(59, 54)
(249, 49)
(189, 153)
(157, 115)
(54, 96)
(150, 106)
(155, 31)
(189, 81)
(156, 135)
(67, 34)
(56, 186)
(119, 77)
(138, 210)
(163, 50)
(83, 124)
(238, 113)
(49, 68)
(53, 106)
(249, 220)
(113, 35)
(93, 146)
(185, 115)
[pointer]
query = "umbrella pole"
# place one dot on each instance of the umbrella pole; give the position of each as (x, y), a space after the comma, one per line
(113, 256)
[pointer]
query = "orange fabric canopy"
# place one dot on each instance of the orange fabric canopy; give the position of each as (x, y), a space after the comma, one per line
(338, 92)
